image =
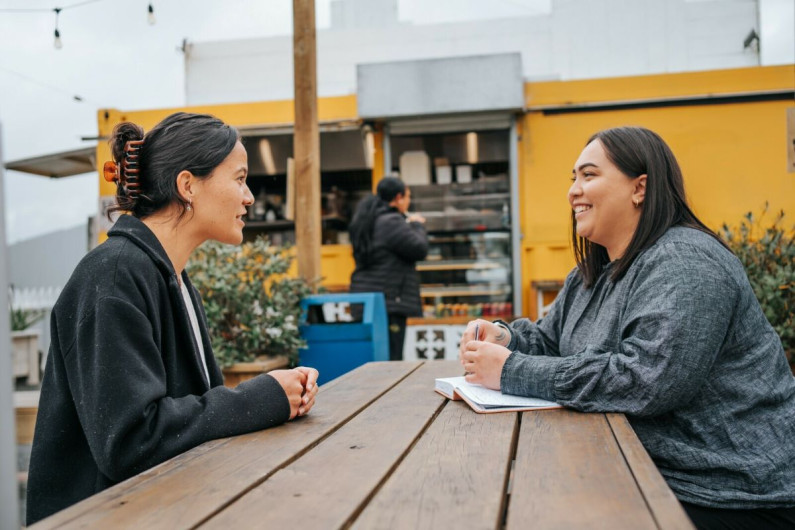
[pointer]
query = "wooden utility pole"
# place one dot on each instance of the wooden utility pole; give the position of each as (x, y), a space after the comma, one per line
(306, 141)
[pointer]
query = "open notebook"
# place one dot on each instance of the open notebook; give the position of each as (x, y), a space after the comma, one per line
(484, 400)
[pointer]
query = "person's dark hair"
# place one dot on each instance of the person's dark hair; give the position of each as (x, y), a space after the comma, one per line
(637, 151)
(361, 227)
(181, 142)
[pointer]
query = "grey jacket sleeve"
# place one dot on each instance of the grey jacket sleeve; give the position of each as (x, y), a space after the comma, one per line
(676, 318)
(542, 337)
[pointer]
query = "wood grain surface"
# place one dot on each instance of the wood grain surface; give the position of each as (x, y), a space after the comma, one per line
(570, 473)
(455, 477)
(664, 506)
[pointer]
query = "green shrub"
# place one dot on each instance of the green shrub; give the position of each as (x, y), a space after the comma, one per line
(768, 255)
(22, 319)
(253, 307)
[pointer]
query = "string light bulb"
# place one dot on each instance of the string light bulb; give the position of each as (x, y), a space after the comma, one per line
(58, 44)
(150, 17)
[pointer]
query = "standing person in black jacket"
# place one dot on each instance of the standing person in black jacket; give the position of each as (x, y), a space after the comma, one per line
(131, 380)
(386, 245)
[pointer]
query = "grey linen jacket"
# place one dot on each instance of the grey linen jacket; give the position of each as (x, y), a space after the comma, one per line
(681, 346)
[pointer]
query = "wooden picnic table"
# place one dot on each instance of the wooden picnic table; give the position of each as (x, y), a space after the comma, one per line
(381, 449)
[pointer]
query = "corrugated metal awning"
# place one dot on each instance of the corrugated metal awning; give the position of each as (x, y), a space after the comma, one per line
(57, 165)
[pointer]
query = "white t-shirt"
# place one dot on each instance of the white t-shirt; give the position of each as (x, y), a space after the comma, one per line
(194, 321)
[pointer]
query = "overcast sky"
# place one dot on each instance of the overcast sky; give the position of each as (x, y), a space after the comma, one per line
(111, 58)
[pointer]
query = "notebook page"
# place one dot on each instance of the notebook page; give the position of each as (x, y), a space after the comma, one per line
(494, 398)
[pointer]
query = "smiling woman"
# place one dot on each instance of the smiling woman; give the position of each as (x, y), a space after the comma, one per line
(658, 322)
(131, 379)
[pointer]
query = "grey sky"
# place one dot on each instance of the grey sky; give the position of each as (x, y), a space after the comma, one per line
(112, 58)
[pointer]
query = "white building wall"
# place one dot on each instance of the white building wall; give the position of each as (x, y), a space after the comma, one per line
(350, 14)
(777, 31)
(579, 39)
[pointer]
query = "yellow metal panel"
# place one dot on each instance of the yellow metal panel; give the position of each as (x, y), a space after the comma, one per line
(378, 158)
(730, 81)
(237, 114)
(336, 266)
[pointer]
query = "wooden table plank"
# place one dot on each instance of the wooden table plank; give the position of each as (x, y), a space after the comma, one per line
(662, 502)
(326, 487)
(454, 478)
(184, 496)
(64, 517)
(570, 473)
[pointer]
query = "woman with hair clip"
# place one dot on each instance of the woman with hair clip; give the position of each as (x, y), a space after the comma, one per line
(131, 380)
(386, 245)
(658, 321)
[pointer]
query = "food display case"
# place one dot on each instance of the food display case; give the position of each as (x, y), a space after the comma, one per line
(460, 182)
(467, 272)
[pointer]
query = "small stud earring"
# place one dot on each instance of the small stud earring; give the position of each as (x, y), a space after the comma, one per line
(189, 207)
(637, 203)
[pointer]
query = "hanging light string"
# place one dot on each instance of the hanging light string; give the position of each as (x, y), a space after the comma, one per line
(150, 15)
(60, 90)
(58, 43)
(47, 9)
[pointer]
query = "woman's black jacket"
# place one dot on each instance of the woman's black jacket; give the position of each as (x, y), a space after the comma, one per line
(389, 268)
(124, 388)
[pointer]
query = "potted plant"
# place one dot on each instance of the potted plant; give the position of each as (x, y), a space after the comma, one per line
(768, 255)
(25, 341)
(252, 305)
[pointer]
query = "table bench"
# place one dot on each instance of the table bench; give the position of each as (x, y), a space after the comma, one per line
(382, 450)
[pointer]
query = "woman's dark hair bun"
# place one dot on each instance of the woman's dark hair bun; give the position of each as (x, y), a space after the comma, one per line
(123, 133)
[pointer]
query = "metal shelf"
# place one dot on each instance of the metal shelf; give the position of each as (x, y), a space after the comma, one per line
(329, 221)
(458, 265)
(463, 198)
(448, 236)
(463, 290)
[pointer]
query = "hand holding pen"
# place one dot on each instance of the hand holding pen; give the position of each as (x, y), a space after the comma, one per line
(483, 352)
(464, 339)
(486, 331)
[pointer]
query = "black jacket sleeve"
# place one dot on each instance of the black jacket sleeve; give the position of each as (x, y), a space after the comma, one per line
(407, 240)
(118, 382)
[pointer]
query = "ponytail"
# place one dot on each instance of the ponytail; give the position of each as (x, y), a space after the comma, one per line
(127, 193)
(361, 227)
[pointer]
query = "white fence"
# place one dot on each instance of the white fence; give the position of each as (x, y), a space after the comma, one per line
(33, 298)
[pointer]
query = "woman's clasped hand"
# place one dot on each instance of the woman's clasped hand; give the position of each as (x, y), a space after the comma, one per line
(300, 385)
